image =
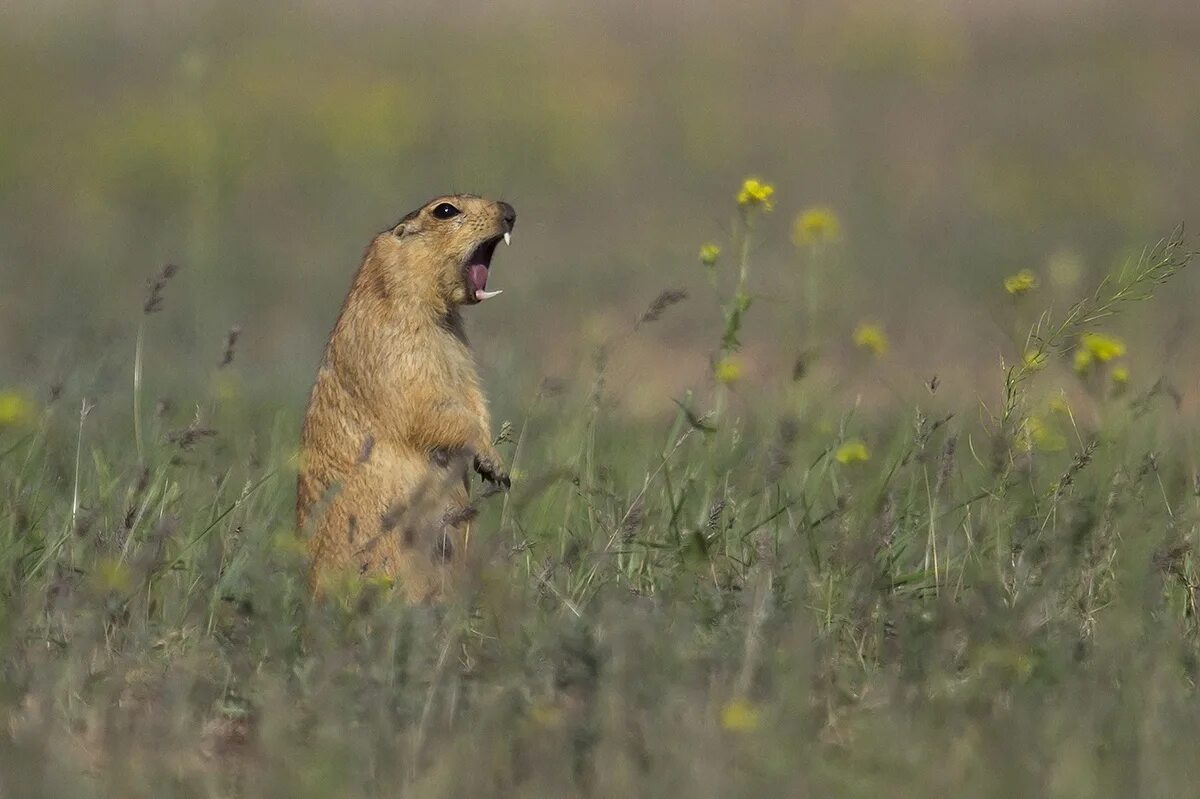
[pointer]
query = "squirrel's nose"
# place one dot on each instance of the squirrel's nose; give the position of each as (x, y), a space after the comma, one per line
(508, 214)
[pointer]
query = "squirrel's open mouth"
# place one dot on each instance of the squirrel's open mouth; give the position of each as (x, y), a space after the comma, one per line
(476, 269)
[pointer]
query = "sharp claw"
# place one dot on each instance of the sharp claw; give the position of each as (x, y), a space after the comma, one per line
(491, 474)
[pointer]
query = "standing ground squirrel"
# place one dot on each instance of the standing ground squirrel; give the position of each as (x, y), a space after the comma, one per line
(396, 413)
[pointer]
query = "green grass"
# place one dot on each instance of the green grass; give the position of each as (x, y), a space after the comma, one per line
(716, 605)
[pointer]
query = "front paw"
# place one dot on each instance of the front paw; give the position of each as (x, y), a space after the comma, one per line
(492, 471)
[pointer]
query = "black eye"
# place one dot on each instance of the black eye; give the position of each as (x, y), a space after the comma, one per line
(445, 211)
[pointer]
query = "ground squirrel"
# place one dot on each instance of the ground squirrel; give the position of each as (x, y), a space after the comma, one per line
(396, 415)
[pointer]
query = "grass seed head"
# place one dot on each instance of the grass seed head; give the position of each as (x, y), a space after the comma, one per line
(231, 339)
(661, 303)
(155, 287)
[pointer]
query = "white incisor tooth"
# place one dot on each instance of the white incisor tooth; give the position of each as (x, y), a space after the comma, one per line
(482, 295)
(508, 238)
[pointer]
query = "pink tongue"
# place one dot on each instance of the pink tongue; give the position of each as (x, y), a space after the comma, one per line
(478, 277)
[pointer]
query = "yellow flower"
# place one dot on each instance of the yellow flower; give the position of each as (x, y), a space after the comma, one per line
(290, 543)
(1035, 361)
(739, 716)
(853, 451)
(1120, 375)
(546, 715)
(871, 337)
(1083, 361)
(756, 192)
(14, 409)
(112, 575)
(1102, 348)
(225, 385)
(380, 581)
(1020, 283)
(1058, 404)
(728, 370)
(709, 254)
(1043, 436)
(815, 225)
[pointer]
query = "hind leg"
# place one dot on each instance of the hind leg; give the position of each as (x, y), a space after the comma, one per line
(413, 539)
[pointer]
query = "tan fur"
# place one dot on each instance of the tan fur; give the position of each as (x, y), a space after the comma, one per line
(396, 413)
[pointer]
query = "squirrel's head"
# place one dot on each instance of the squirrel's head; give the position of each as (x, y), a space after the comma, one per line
(444, 248)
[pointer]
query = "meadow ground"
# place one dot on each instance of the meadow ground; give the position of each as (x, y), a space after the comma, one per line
(744, 601)
(876, 474)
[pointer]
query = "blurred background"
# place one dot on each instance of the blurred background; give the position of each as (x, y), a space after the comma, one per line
(259, 146)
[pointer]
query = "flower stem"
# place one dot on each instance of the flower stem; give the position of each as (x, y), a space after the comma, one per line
(137, 390)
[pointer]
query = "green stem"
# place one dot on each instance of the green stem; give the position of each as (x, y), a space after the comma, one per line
(137, 390)
(812, 279)
(744, 255)
(737, 303)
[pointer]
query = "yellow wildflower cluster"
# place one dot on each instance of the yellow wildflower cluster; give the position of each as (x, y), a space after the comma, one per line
(870, 337)
(815, 225)
(709, 254)
(853, 451)
(728, 370)
(1102, 348)
(1020, 283)
(1098, 349)
(1083, 361)
(15, 410)
(756, 193)
(739, 716)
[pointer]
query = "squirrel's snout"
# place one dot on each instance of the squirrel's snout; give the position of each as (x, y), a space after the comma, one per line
(508, 214)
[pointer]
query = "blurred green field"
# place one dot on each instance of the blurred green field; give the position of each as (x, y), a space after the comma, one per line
(876, 476)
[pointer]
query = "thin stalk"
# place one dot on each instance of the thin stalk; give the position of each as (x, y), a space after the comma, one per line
(83, 412)
(811, 282)
(137, 390)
